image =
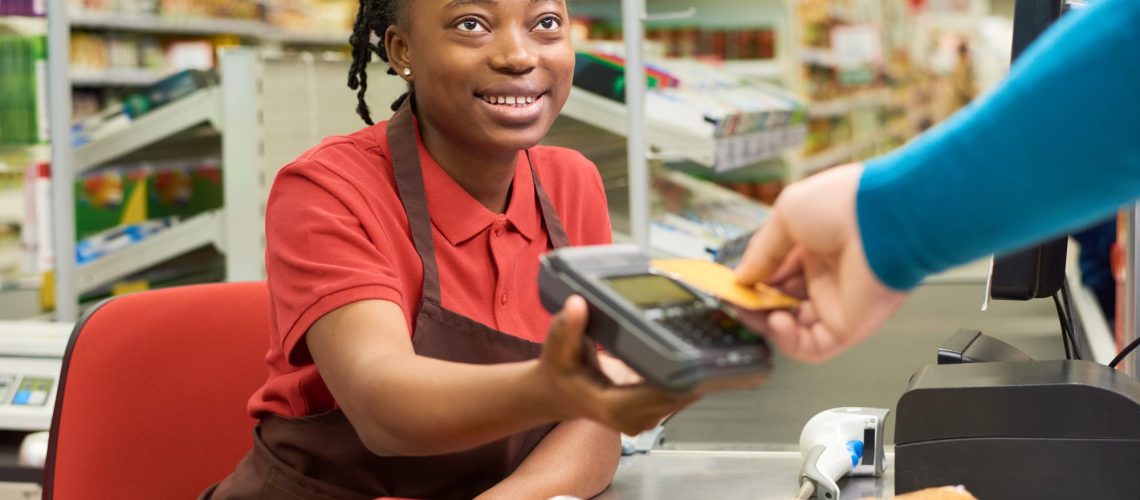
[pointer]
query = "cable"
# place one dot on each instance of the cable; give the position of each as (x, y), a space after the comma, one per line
(1069, 318)
(807, 489)
(1064, 326)
(1120, 357)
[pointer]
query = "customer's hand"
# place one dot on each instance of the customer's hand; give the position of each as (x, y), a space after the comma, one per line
(579, 388)
(811, 247)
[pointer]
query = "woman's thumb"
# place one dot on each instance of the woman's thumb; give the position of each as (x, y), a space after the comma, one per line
(564, 344)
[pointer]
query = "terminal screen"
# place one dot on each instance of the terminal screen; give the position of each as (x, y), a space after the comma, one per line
(32, 391)
(650, 291)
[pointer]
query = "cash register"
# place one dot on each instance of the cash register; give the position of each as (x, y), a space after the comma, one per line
(31, 355)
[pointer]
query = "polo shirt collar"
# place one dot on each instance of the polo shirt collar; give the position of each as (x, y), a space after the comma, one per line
(460, 217)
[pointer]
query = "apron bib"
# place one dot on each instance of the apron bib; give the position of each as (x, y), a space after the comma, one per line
(321, 456)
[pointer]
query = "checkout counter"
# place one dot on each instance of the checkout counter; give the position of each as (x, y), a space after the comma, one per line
(31, 355)
(727, 475)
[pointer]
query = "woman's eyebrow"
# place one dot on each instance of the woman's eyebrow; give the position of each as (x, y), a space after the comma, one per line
(459, 3)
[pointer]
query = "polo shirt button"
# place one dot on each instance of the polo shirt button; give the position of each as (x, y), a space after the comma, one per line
(503, 299)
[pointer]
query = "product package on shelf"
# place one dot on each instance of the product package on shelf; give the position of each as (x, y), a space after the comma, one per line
(210, 9)
(23, 104)
(690, 41)
(38, 254)
(139, 103)
(117, 197)
(312, 16)
(11, 216)
(694, 95)
(31, 8)
(95, 54)
(697, 219)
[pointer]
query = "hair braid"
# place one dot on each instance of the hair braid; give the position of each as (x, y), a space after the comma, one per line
(373, 17)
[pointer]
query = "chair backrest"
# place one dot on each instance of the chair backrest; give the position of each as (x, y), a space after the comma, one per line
(152, 396)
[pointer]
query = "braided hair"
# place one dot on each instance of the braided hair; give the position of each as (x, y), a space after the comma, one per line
(374, 16)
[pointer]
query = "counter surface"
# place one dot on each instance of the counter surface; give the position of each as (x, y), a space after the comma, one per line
(727, 475)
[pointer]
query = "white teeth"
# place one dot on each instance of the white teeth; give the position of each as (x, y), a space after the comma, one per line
(509, 100)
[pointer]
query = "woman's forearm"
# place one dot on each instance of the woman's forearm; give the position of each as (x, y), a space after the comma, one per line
(440, 407)
(578, 458)
(408, 405)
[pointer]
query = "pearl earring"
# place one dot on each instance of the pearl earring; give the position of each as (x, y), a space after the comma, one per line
(407, 71)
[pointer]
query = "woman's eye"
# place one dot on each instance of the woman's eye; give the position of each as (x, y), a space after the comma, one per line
(470, 25)
(548, 24)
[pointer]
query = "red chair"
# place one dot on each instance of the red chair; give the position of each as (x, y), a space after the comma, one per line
(152, 398)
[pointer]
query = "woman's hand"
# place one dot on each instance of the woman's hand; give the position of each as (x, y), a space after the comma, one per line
(579, 388)
(811, 246)
(617, 371)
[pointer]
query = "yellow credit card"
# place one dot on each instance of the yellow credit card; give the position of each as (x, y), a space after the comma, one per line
(718, 281)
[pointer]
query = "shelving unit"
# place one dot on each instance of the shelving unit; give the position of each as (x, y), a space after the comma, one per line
(198, 117)
(196, 232)
(204, 106)
(803, 166)
(672, 141)
(845, 105)
(150, 23)
(117, 77)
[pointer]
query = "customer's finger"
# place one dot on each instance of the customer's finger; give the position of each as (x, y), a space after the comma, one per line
(766, 252)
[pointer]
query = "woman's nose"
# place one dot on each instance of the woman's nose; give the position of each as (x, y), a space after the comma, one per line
(514, 52)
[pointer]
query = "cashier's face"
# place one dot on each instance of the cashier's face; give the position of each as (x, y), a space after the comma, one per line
(490, 74)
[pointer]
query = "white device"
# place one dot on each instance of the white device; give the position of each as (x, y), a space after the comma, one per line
(31, 357)
(839, 442)
(33, 450)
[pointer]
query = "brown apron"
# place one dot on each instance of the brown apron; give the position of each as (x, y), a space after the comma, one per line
(321, 457)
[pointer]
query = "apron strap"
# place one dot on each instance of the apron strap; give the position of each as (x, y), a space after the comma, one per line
(410, 184)
(554, 227)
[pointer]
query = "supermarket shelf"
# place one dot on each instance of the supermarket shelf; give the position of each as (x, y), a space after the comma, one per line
(116, 78)
(828, 57)
(759, 69)
(11, 205)
(22, 25)
(845, 105)
(202, 106)
(296, 38)
(831, 157)
(150, 23)
(720, 154)
(196, 232)
(16, 157)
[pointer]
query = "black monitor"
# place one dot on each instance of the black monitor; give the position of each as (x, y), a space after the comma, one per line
(1039, 271)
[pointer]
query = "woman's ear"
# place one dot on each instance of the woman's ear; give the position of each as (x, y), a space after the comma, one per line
(399, 53)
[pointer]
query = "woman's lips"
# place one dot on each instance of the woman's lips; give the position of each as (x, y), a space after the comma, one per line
(514, 109)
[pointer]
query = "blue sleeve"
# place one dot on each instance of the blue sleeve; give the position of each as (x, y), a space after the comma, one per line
(1055, 147)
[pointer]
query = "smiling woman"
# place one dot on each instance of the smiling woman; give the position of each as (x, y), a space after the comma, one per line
(409, 354)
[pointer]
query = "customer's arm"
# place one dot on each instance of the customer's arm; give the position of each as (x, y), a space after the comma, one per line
(1054, 147)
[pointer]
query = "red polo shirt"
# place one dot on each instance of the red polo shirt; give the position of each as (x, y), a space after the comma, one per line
(336, 233)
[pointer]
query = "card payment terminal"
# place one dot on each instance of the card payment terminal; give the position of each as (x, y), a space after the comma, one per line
(672, 334)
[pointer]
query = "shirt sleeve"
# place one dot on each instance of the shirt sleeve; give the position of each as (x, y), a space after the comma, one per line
(1053, 148)
(319, 256)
